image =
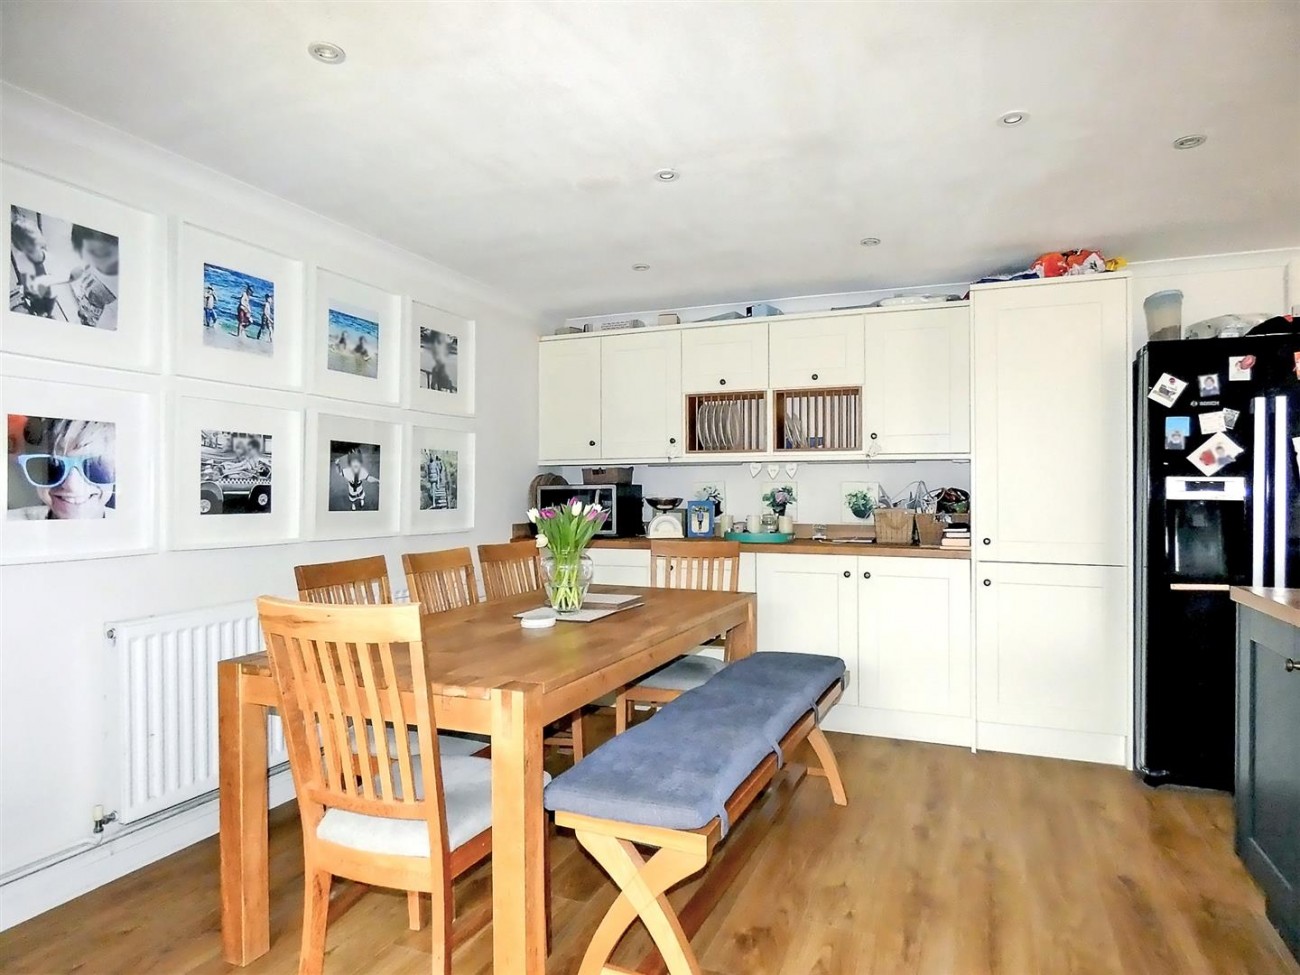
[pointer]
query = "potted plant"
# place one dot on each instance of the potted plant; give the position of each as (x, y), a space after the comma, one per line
(779, 498)
(563, 533)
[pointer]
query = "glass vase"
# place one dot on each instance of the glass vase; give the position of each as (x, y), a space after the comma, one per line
(567, 578)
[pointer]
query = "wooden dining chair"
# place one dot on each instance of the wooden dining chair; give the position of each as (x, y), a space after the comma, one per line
(512, 569)
(681, 564)
(440, 581)
(416, 820)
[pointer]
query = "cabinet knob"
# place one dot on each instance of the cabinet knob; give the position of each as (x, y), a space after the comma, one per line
(988, 541)
(866, 575)
(1292, 666)
(988, 582)
(814, 375)
(672, 439)
(874, 436)
(591, 443)
(722, 382)
(847, 574)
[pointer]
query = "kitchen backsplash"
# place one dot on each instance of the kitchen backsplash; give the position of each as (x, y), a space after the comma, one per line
(819, 486)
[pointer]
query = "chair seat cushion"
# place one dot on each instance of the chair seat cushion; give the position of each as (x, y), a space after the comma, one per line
(683, 673)
(678, 769)
(449, 742)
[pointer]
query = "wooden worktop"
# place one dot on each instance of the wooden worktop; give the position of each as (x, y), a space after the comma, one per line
(1281, 604)
(805, 546)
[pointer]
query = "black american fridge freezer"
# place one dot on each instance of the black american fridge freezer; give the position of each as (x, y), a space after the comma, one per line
(1217, 475)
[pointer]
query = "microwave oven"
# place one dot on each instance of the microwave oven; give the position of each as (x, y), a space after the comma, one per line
(622, 501)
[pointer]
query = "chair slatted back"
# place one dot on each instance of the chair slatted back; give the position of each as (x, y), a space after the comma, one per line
(337, 671)
(440, 581)
(351, 583)
(680, 564)
(510, 569)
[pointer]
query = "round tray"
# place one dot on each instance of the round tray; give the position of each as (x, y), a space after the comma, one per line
(760, 538)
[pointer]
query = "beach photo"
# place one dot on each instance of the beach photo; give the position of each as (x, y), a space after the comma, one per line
(61, 470)
(439, 471)
(438, 360)
(234, 472)
(63, 271)
(353, 342)
(353, 476)
(238, 311)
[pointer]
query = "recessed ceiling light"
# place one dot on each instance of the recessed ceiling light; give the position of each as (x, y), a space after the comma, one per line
(1013, 118)
(327, 53)
(666, 175)
(1190, 141)
(869, 241)
(640, 267)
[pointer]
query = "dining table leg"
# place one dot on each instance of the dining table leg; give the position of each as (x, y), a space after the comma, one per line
(241, 742)
(519, 862)
(742, 639)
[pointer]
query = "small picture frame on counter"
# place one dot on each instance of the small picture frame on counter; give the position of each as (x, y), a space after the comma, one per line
(699, 519)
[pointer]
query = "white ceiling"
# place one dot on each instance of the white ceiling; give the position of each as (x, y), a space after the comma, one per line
(515, 142)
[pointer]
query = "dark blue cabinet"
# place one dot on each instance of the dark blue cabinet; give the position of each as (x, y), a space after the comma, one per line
(1268, 764)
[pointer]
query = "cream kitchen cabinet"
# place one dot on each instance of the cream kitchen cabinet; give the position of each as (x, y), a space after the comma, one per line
(814, 352)
(724, 358)
(617, 566)
(569, 389)
(640, 395)
(917, 389)
(1052, 651)
(1051, 444)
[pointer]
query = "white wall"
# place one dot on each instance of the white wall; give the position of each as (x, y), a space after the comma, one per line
(58, 690)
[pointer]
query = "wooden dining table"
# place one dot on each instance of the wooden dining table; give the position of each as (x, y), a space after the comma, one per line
(490, 676)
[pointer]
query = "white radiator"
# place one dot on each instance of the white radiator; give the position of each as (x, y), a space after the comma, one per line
(167, 671)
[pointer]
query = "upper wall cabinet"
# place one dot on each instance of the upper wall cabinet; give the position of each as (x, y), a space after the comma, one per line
(812, 352)
(917, 391)
(721, 358)
(1051, 422)
(569, 389)
(641, 401)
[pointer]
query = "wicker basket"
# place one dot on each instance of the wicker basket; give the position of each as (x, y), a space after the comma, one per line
(894, 526)
(930, 529)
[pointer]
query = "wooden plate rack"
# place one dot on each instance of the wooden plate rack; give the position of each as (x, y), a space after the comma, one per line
(708, 433)
(818, 419)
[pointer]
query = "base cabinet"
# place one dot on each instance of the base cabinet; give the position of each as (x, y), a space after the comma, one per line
(1267, 793)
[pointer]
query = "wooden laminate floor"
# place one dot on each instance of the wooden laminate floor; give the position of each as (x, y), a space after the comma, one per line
(944, 862)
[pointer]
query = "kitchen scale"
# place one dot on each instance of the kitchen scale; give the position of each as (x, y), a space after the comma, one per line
(668, 523)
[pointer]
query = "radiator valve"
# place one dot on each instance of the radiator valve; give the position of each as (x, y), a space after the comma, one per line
(102, 818)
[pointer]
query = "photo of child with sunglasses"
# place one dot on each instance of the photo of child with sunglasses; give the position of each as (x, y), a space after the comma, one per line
(67, 467)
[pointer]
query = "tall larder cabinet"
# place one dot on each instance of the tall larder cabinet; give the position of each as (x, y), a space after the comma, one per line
(1051, 520)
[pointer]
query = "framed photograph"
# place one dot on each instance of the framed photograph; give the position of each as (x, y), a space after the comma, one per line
(715, 491)
(238, 315)
(861, 499)
(440, 374)
(80, 477)
(356, 340)
(440, 478)
(234, 473)
(699, 519)
(353, 477)
(83, 275)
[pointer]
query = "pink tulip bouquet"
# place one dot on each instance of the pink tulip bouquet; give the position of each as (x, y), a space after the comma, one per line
(563, 533)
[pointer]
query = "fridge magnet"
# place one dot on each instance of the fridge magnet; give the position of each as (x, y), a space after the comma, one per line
(1208, 384)
(1215, 454)
(1167, 390)
(1230, 418)
(1297, 364)
(699, 519)
(1295, 445)
(1212, 422)
(1239, 367)
(1178, 430)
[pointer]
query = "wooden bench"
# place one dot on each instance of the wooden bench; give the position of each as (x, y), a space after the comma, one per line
(678, 782)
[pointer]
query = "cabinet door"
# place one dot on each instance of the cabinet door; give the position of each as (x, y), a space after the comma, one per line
(620, 566)
(1051, 422)
(568, 394)
(914, 635)
(717, 358)
(1051, 646)
(808, 604)
(813, 352)
(917, 390)
(640, 396)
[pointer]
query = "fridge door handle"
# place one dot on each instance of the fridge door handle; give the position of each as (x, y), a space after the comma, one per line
(1259, 494)
(1281, 490)
(1199, 587)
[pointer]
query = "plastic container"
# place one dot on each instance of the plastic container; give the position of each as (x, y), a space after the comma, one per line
(1164, 310)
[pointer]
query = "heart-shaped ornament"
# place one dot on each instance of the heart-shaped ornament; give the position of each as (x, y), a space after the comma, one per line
(754, 468)
(773, 470)
(790, 469)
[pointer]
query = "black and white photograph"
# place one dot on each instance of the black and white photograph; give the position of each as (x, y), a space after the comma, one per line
(234, 472)
(354, 476)
(61, 270)
(439, 361)
(61, 469)
(439, 475)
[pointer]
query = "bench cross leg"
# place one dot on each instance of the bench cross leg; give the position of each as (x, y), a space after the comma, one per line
(830, 769)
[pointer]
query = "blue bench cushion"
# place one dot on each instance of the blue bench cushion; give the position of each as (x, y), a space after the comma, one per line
(678, 769)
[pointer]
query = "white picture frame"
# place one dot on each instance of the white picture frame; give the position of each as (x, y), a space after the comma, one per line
(422, 514)
(870, 488)
(349, 309)
(207, 471)
(426, 339)
(32, 530)
(54, 208)
(373, 509)
(210, 351)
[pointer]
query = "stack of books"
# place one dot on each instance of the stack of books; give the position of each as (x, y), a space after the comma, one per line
(955, 538)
